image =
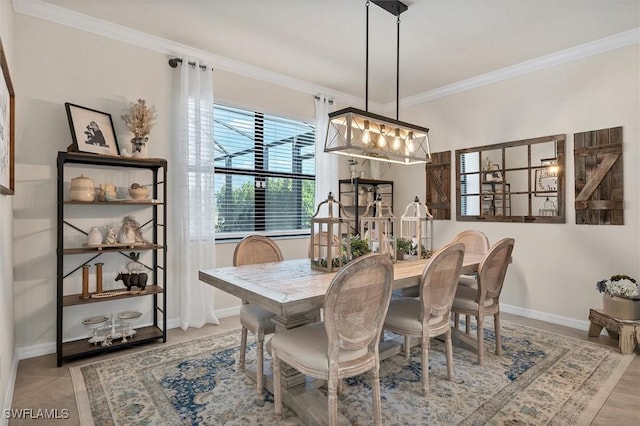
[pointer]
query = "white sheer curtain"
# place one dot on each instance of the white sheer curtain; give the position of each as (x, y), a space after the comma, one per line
(193, 200)
(326, 164)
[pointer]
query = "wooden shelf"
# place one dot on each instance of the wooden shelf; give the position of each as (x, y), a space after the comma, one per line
(82, 347)
(116, 203)
(74, 299)
(115, 248)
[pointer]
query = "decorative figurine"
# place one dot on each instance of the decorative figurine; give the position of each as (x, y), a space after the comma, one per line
(111, 235)
(130, 231)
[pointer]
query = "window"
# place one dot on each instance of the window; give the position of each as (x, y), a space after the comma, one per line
(264, 173)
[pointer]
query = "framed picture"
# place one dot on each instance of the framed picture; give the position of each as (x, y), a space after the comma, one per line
(92, 131)
(7, 126)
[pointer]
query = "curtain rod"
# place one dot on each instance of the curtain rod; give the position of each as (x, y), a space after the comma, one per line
(173, 63)
(329, 100)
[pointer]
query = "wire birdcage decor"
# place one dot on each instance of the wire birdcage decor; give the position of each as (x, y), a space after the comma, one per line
(416, 224)
(377, 227)
(330, 243)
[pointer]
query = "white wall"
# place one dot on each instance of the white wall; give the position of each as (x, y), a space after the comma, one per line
(555, 266)
(58, 64)
(7, 347)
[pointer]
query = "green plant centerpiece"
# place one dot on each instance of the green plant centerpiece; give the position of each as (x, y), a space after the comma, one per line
(359, 246)
(403, 246)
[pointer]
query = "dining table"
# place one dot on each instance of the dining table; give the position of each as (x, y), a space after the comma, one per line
(295, 293)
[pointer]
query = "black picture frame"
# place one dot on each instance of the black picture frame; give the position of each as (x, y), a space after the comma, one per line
(7, 128)
(92, 130)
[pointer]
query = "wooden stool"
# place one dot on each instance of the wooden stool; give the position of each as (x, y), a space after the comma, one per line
(626, 331)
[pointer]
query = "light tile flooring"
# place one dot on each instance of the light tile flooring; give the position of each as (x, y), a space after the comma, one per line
(40, 384)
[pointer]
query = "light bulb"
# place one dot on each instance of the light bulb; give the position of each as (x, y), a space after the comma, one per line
(410, 146)
(365, 133)
(396, 140)
(382, 141)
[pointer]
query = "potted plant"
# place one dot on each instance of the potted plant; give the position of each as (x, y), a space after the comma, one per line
(403, 246)
(359, 247)
(139, 119)
(621, 297)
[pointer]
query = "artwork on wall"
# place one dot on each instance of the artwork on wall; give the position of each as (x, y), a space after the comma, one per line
(92, 131)
(599, 177)
(7, 128)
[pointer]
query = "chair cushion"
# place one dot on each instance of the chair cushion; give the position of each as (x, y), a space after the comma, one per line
(404, 314)
(466, 299)
(468, 281)
(309, 345)
(253, 317)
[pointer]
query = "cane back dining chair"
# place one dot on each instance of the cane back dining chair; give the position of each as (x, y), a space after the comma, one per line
(483, 300)
(250, 250)
(429, 315)
(346, 343)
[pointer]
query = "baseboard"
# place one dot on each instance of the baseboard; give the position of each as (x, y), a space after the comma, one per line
(4, 420)
(49, 348)
(40, 349)
(544, 316)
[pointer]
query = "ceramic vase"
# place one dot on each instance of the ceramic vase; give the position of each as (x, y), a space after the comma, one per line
(139, 147)
(94, 237)
(621, 307)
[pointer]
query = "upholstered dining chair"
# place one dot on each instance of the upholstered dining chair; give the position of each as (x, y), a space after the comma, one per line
(429, 316)
(251, 250)
(475, 242)
(346, 343)
(484, 300)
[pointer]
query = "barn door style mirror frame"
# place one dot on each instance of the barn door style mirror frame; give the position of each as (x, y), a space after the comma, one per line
(518, 181)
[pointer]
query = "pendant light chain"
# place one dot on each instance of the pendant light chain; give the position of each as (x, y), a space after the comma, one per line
(398, 70)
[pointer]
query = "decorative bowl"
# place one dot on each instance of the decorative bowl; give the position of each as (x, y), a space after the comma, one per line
(139, 192)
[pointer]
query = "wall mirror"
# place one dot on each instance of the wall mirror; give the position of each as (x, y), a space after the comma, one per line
(519, 181)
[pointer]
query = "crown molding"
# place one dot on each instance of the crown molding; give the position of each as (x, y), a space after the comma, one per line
(53, 13)
(582, 51)
(60, 15)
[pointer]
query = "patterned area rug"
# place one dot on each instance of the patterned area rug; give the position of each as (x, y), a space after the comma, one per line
(541, 378)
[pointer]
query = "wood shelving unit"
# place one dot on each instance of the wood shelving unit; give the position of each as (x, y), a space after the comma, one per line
(155, 291)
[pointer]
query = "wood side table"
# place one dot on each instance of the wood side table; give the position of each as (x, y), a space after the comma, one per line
(626, 331)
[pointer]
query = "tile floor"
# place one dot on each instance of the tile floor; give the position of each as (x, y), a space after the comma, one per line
(40, 384)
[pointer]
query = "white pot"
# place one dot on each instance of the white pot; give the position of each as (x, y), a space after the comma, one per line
(94, 237)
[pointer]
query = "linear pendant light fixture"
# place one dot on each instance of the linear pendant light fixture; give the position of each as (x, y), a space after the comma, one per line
(362, 134)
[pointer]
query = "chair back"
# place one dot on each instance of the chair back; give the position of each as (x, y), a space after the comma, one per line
(254, 249)
(356, 304)
(440, 280)
(493, 269)
(475, 242)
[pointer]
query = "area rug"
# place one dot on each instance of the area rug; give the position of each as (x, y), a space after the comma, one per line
(541, 378)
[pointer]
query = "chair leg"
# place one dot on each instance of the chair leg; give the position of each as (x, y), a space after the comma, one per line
(377, 404)
(243, 348)
(259, 361)
(332, 398)
(467, 324)
(449, 352)
(277, 391)
(407, 347)
(496, 324)
(425, 365)
(480, 338)
(456, 320)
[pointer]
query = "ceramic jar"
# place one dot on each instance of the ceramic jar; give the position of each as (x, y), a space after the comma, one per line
(94, 237)
(82, 189)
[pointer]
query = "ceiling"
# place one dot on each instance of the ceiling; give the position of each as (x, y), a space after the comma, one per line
(323, 41)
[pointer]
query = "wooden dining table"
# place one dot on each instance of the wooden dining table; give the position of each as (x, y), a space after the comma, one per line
(295, 293)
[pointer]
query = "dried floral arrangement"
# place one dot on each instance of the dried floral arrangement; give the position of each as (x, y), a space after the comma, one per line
(140, 118)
